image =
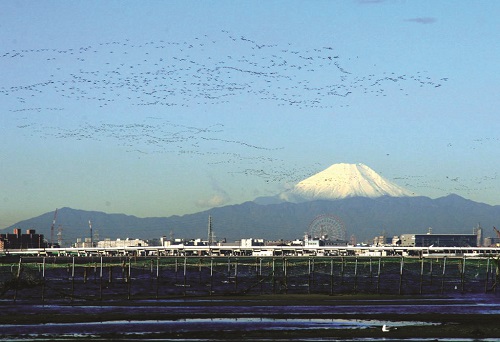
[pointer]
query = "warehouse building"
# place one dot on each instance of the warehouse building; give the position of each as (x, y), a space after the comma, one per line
(438, 240)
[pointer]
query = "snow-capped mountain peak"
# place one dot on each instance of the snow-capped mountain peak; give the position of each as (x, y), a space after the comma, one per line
(343, 180)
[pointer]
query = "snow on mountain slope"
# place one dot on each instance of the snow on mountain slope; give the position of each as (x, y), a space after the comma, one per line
(341, 181)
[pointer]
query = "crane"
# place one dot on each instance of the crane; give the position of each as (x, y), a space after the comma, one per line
(52, 229)
(497, 231)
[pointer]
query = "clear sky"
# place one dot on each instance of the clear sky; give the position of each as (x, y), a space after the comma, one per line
(160, 108)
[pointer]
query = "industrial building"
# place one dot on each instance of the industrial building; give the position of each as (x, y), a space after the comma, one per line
(22, 241)
(438, 240)
(491, 241)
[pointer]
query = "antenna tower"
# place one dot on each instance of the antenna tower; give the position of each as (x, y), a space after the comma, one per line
(210, 231)
(90, 226)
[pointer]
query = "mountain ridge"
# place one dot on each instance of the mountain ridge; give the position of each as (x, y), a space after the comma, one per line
(362, 216)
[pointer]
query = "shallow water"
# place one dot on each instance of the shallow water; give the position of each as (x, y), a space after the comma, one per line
(244, 315)
(463, 304)
(137, 328)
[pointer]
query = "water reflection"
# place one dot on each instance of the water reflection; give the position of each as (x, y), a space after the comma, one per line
(143, 319)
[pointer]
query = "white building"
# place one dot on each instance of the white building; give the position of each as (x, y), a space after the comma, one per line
(122, 243)
(251, 242)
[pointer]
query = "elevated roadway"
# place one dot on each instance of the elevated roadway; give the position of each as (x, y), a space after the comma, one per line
(260, 251)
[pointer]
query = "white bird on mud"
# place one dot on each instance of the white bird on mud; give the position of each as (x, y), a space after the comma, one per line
(385, 328)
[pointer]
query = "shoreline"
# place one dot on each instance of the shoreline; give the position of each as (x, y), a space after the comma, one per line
(441, 324)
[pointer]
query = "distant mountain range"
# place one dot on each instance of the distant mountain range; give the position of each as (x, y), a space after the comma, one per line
(373, 206)
(362, 217)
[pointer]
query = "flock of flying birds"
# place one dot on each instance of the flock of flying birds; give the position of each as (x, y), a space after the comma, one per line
(203, 74)
(200, 72)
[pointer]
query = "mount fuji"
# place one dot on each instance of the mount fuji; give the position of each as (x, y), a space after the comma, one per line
(340, 181)
(366, 203)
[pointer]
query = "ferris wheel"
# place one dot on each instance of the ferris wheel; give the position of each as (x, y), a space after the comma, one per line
(328, 227)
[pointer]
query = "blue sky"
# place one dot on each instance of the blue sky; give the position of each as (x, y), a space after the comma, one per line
(159, 108)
